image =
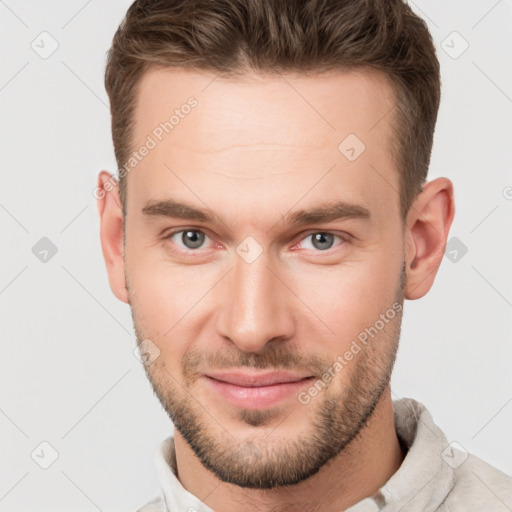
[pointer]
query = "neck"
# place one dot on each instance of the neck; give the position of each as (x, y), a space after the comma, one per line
(357, 472)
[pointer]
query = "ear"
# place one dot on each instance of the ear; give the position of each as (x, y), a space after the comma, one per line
(427, 227)
(111, 232)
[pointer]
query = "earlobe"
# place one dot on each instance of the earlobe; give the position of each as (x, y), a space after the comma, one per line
(111, 233)
(428, 225)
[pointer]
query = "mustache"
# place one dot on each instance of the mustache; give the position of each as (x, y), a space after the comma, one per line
(196, 362)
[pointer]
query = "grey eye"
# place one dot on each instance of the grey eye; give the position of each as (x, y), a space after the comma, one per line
(192, 239)
(322, 241)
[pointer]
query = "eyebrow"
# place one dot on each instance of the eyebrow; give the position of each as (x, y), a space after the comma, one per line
(327, 213)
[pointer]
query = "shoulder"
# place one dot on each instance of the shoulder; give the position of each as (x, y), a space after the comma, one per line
(155, 505)
(479, 486)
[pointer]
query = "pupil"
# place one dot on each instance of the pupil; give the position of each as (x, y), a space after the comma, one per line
(323, 240)
(192, 239)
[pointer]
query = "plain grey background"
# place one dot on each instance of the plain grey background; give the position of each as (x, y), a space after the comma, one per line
(68, 375)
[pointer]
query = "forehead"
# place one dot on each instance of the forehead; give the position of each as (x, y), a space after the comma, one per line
(271, 132)
(330, 103)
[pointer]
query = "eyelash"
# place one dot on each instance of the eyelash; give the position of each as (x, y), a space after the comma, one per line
(343, 238)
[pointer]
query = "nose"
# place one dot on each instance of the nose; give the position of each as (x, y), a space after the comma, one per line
(255, 306)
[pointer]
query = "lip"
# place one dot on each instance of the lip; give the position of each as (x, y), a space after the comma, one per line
(257, 379)
(256, 390)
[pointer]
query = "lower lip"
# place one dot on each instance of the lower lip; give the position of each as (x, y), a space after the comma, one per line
(259, 397)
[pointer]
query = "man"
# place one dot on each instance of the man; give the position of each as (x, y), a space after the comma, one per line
(271, 216)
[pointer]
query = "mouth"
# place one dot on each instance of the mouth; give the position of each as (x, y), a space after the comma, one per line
(256, 390)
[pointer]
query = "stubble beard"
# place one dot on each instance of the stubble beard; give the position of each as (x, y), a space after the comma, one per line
(255, 461)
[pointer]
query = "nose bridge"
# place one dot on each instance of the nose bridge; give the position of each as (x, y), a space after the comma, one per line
(254, 309)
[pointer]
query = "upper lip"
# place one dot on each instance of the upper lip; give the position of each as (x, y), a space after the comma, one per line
(256, 379)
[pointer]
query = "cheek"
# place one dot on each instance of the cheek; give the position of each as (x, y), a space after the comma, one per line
(153, 267)
(165, 298)
(157, 318)
(348, 297)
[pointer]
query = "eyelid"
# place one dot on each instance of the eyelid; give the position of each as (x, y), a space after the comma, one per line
(169, 234)
(345, 237)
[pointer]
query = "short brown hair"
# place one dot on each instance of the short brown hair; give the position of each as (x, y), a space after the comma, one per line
(234, 36)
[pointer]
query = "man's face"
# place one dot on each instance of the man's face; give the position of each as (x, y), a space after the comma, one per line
(253, 286)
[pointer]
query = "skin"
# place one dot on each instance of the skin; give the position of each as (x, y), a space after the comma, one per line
(256, 149)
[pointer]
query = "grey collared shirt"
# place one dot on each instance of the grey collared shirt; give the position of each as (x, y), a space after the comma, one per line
(434, 476)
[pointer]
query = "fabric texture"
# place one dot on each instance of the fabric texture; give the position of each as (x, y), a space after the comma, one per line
(434, 476)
